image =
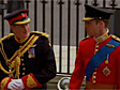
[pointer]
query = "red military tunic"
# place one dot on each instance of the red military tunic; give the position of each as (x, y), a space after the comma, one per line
(87, 49)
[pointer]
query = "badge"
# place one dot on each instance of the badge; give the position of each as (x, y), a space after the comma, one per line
(31, 53)
(106, 71)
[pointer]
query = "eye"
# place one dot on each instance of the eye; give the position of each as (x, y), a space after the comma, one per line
(88, 22)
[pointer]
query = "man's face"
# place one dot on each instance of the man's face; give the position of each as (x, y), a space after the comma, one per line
(21, 31)
(92, 28)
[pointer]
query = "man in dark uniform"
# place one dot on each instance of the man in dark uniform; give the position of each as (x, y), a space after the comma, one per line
(26, 58)
(98, 56)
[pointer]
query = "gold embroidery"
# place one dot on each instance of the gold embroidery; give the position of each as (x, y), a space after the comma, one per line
(50, 44)
(5, 37)
(14, 61)
(116, 38)
(110, 45)
(31, 82)
(102, 38)
(41, 33)
(4, 82)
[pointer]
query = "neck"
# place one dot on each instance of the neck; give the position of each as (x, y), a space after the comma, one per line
(101, 32)
(103, 36)
(21, 40)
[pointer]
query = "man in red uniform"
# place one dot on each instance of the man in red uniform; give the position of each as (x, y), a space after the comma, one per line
(98, 55)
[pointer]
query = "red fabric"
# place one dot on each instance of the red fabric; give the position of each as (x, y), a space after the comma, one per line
(5, 87)
(24, 79)
(85, 53)
(17, 18)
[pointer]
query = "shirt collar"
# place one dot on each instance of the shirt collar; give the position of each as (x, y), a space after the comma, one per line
(102, 37)
(20, 41)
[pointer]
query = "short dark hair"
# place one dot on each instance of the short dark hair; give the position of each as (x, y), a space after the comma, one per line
(106, 21)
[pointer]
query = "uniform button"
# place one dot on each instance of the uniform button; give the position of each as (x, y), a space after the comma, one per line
(96, 50)
(22, 59)
(94, 72)
(20, 46)
(94, 81)
(23, 73)
(24, 68)
(94, 77)
(97, 46)
(23, 64)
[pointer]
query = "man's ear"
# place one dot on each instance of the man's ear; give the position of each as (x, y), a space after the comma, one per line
(101, 22)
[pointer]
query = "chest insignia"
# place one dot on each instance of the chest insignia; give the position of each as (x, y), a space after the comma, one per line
(31, 53)
(106, 71)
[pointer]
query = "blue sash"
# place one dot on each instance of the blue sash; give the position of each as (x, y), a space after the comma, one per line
(99, 57)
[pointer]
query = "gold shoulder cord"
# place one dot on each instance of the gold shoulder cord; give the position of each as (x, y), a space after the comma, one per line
(14, 61)
(5, 57)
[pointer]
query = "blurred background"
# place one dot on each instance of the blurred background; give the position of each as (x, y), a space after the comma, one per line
(62, 20)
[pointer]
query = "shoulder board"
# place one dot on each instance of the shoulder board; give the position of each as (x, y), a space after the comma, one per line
(5, 37)
(116, 38)
(87, 37)
(41, 33)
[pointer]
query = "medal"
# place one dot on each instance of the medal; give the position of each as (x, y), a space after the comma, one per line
(106, 71)
(31, 53)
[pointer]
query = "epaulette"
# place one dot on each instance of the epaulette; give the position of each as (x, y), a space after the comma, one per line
(116, 38)
(5, 37)
(41, 33)
(87, 37)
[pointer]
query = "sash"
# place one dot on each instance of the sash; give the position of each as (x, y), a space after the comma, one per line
(99, 57)
(17, 55)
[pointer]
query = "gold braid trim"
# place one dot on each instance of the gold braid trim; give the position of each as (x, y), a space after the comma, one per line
(31, 82)
(24, 48)
(116, 38)
(14, 61)
(5, 71)
(41, 33)
(4, 82)
(5, 37)
(19, 53)
(4, 55)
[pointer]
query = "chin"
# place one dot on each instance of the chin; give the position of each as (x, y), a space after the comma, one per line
(26, 35)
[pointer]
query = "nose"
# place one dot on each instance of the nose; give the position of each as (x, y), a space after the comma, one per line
(26, 26)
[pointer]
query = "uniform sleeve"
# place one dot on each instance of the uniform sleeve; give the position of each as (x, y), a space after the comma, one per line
(4, 79)
(46, 70)
(78, 73)
(118, 71)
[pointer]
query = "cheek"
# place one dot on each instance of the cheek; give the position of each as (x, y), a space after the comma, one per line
(28, 28)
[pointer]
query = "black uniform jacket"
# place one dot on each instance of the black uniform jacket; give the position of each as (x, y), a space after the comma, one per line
(42, 66)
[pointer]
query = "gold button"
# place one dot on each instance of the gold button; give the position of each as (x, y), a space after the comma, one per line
(96, 50)
(94, 77)
(23, 64)
(97, 46)
(22, 59)
(94, 81)
(20, 46)
(24, 68)
(94, 72)
(23, 73)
